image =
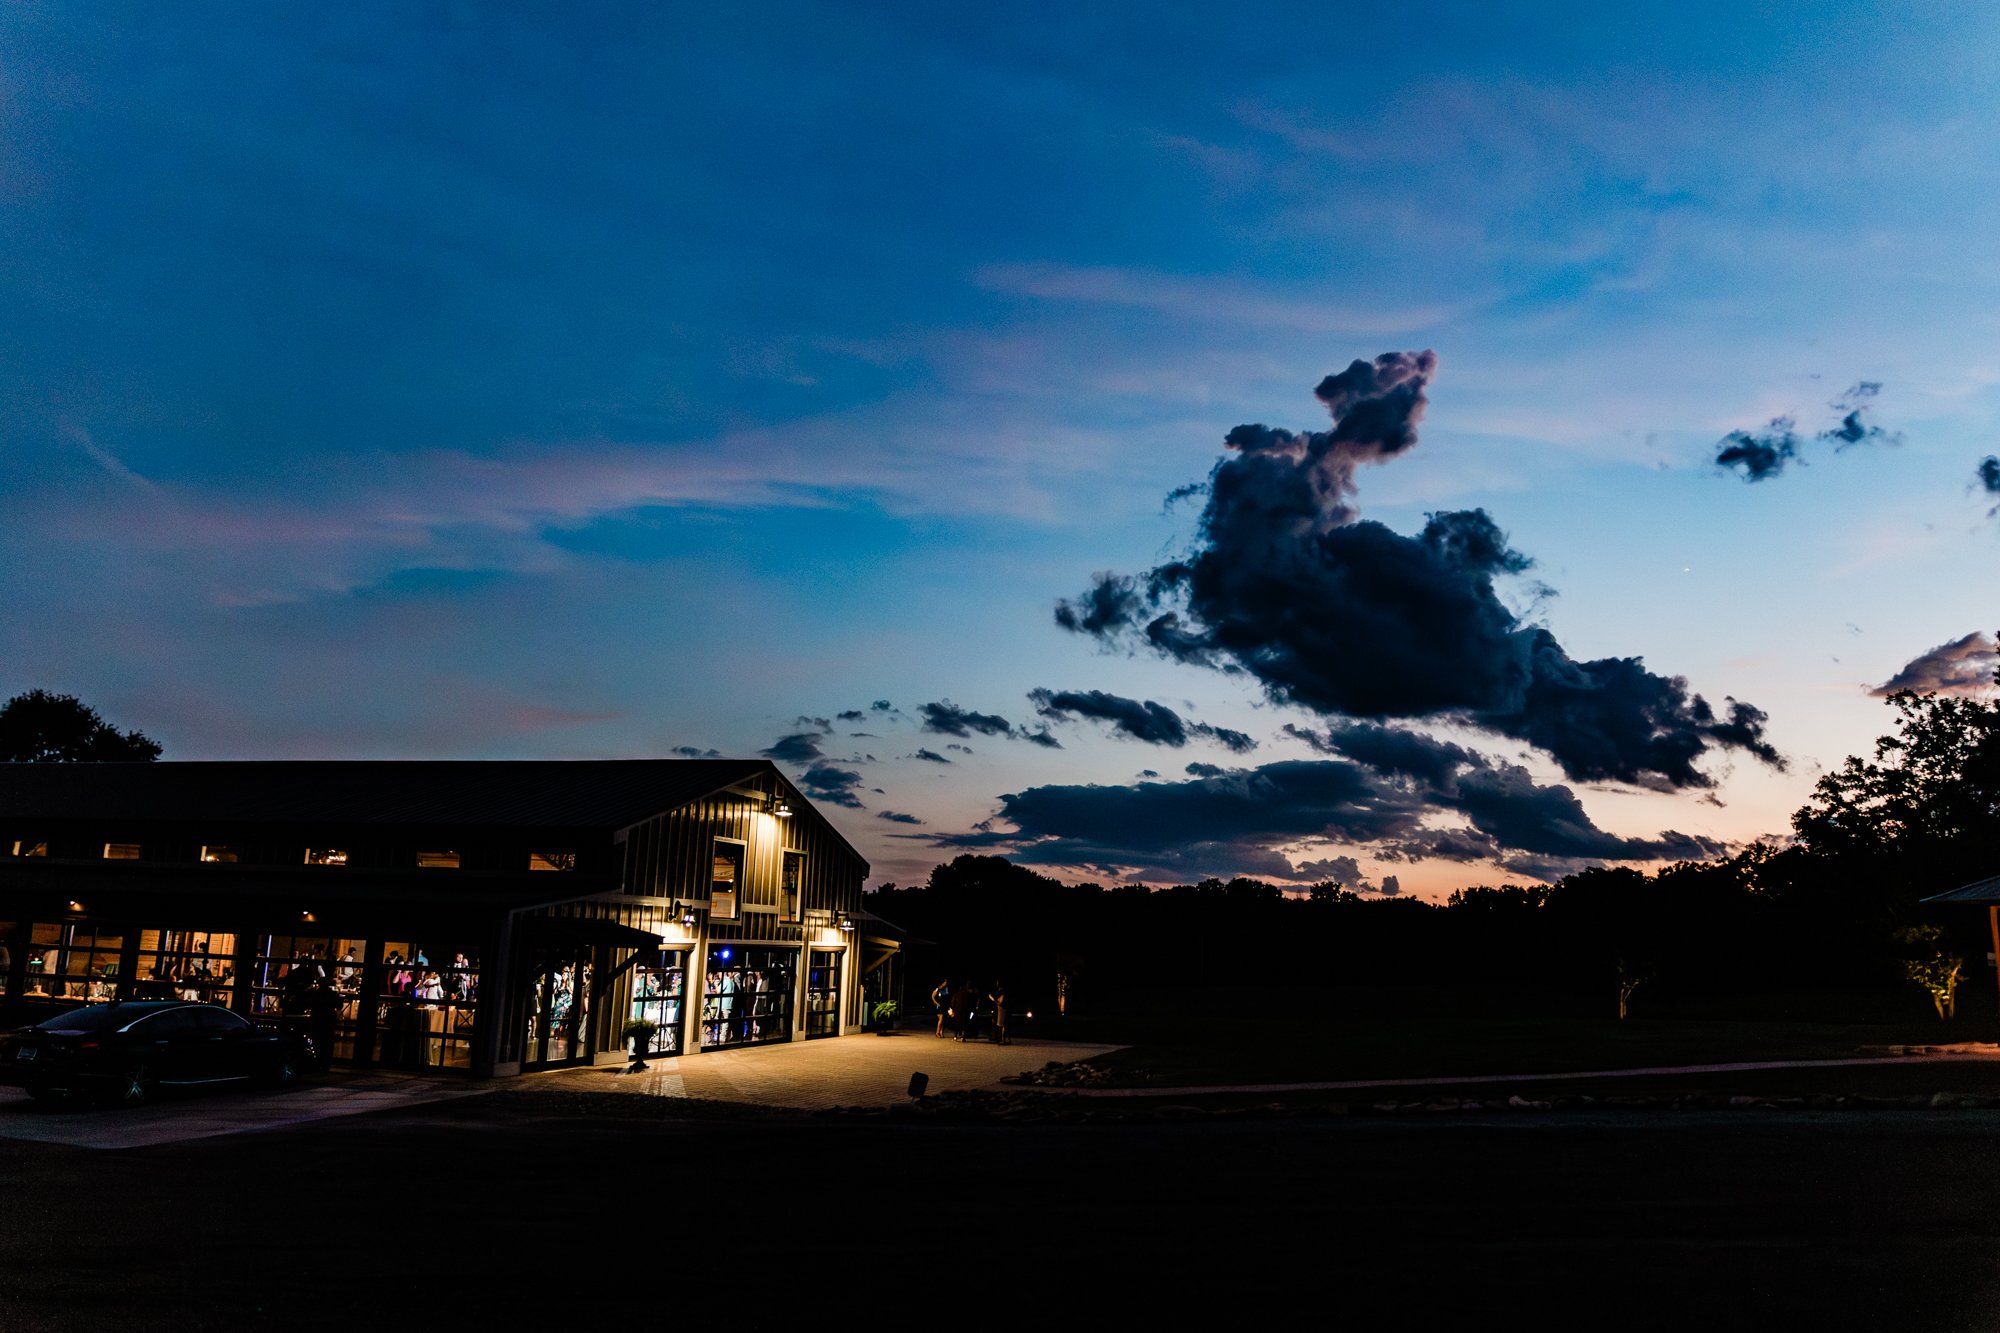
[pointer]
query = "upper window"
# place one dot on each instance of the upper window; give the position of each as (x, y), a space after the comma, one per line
(325, 856)
(725, 880)
(794, 886)
(121, 851)
(27, 847)
(214, 853)
(437, 860)
(551, 860)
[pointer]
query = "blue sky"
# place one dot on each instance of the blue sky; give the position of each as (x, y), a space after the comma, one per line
(411, 380)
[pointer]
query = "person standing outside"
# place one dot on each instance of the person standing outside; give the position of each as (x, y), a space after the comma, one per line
(963, 1005)
(997, 997)
(941, 1001)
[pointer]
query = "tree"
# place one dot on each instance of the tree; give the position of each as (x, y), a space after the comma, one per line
(43, 728)
(1922, 815)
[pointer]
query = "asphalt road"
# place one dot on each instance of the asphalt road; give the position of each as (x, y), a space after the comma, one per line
(484, 1214)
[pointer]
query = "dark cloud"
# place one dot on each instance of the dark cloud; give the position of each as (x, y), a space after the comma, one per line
(1763, 454)
(835, 786)
(801, 747)
(1391, 750)
(1760, 454)
(962, 749)
(1196, 770)
(1442, 844)
(1987, 478)
(897, 817)
(1505, 803)
(694, 752)
(948, 719)
(882, 706)
(1153, 723)
(1156, 724)
(1347, 617)
(1964, 667)
(1342, 870)
(1153, 773)
(1042, 738)
(851, 715)
(818, 723)
(930, 757)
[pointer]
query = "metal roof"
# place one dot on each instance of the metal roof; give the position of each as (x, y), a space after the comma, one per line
(1980, 891)
(574, 793)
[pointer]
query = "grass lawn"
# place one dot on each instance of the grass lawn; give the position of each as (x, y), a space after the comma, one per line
(1185, 1037)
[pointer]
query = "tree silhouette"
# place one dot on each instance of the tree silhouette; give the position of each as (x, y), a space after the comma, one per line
(43, 728)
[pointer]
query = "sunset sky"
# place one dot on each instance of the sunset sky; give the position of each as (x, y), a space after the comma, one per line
(444, 381)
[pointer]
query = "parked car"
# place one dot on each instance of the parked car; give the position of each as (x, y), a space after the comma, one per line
(129, 1050)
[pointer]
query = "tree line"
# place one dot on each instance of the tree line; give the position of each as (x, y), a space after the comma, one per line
(1834, 908)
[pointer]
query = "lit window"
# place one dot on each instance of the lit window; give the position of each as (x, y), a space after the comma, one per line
(551, 860)
(725, 880)
(325, 856)
(121, 851)
(31, 848)
(437, 860)
(219, 854)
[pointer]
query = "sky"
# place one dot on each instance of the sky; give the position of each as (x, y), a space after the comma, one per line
(861, 387)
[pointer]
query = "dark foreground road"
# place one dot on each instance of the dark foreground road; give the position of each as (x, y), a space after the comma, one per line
(484, 1215)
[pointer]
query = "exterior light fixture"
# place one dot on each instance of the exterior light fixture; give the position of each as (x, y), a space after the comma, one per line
(75, 906)
(687, 917)
(847, 924)
(783, 811)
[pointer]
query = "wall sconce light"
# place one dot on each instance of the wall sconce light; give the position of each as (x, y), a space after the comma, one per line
(75, 906)
(782, 810)
(847, 924)
(682, 912)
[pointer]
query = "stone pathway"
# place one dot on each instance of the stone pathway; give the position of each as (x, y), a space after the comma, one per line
(862, 1070)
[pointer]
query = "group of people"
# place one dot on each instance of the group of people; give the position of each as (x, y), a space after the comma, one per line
(959, 1006)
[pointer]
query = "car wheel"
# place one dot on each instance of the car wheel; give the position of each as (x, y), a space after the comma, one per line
(134, 1087)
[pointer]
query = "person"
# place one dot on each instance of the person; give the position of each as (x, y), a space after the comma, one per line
(997, 997)
(322, 1021)
(941, 1001)
(963, 1005)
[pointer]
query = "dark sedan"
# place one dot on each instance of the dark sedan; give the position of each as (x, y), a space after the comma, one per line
(130, 1050)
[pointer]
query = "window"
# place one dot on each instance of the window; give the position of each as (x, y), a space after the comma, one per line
(823, 994)
(437, 860)
(74, 962)
(794, 886)
(195, 965)
(121, 851)
(427, 1004)
(746, 995)
(212, 853)
(325, 856)
(551, 860)
(31, 848)
(725, 880)
(656, 998)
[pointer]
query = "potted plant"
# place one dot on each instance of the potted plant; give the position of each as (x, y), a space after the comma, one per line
(639, 1031)
(884, 1013)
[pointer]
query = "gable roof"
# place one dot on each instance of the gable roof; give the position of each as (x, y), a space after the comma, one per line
(563, 793)
(1983, 891)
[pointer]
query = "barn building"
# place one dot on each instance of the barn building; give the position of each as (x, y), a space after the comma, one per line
(490, 917)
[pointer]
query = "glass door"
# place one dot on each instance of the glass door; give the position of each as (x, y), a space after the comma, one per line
(823, 993)
(558, 1006)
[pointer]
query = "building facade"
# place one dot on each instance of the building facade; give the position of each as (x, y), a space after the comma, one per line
(489, 917)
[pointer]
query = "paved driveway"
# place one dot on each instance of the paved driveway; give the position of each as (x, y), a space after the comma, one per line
(863, 1070)
(206, 1114)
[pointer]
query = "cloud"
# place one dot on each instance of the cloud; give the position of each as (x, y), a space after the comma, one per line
(897, 817)
(800, 747)
(1963, 667)
(1153, 723)
(947, 719)
(1251, 821)
(692, 752)
(1760, 454)
(1042, 738)
(1200, 298)
(1346, 617)
(1987, 477)
(852, 715)
(930, 757)
(1763, 454)
(962, 749)
(835, 786)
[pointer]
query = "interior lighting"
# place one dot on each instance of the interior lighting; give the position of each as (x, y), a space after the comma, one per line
(75, 906)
